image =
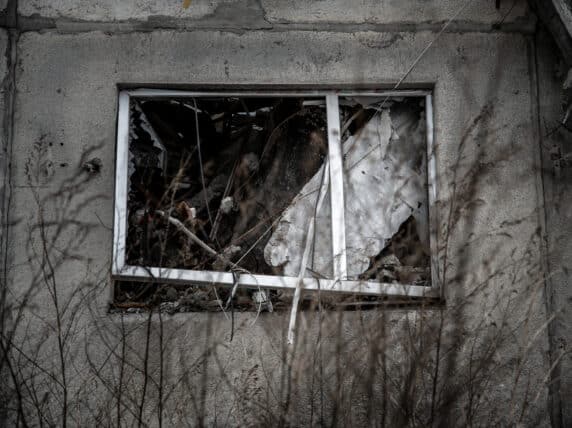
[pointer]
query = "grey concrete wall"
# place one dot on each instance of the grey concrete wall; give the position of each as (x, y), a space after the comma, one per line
(556, 172)
(4, 130)
(274, 11)
(489, 336)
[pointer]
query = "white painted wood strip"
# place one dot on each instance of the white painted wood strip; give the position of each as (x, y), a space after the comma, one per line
(306, 255)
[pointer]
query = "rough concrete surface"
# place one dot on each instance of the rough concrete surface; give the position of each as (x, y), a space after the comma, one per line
(114, 10)
(373, 11)
(4, 152)
(66, 110)
(276, 11)
(558, 199)
(4, 43)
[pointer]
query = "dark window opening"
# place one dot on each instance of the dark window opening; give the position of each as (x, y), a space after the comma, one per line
(226, 168)
(230, 184)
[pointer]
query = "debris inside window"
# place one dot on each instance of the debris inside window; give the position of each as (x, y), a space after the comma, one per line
(228, 184)
(212, 176)
(386, 209)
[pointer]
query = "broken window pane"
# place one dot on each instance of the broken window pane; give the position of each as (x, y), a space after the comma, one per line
(385, 189)
(216, 182)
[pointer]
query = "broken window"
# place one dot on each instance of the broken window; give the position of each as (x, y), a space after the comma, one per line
(270, 189)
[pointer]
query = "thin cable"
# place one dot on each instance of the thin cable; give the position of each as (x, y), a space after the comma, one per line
(423, 52)
(201, 162)
(415, 62)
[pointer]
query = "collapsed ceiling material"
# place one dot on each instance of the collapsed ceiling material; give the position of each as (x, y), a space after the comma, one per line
(384, 157)
(240, 177)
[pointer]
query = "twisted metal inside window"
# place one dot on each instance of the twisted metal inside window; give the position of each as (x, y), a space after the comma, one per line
(269, 189)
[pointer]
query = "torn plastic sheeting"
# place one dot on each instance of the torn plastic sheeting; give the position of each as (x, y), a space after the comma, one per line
(381, 192)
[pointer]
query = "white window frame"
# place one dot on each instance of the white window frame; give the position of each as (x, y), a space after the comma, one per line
(121, 271)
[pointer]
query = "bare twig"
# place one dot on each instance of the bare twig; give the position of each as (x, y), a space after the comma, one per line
(181, 227)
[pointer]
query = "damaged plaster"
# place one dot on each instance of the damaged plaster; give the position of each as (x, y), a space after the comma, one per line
(368, 11)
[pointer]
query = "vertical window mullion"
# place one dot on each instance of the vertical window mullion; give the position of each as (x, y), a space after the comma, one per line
(121, 184)
(335, 157)
(432, 196)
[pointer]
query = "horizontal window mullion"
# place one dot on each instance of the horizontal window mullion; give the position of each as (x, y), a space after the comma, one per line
(207, 278)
